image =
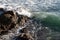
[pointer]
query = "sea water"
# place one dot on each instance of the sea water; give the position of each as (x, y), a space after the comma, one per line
(46, 11)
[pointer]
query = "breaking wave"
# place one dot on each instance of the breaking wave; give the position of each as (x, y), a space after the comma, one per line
(45, 10)
(51, 20)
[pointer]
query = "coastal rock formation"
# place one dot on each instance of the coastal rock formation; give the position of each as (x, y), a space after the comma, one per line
(10, 21)
(24, 35)
(22, 19)
(7, 21)
(19, 27)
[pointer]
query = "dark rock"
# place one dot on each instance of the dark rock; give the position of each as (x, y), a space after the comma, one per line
(25, 35)
(7, 21)
(22, 19)
(2, 11)
(10, 22)
(24, 30)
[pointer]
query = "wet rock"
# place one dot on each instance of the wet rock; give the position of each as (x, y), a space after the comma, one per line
(22, 20)
(24, 35)
(11, 26)
(7, 21)
(10, 19)
(1, 11)
(24, 30)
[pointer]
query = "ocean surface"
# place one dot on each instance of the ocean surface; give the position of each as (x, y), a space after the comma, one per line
(46, 11)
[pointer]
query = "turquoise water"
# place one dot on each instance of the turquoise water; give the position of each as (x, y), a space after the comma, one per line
(49, 20)
(52, 22)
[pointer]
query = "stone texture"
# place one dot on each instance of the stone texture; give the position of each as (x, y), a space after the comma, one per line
(24, 35)
(10, 23)
(8, 20)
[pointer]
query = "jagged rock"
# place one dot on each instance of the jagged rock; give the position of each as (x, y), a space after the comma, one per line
(22, 20)
(24, 30)
(1, 11)
(24, 35)
(7, 21)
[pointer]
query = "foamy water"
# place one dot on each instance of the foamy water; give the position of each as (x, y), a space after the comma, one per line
(41, 9)
(48, 11)
(25, 7)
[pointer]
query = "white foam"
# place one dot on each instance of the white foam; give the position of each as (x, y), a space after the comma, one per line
(21, 11)
(24, 12)
(2, 6)
(41, 5)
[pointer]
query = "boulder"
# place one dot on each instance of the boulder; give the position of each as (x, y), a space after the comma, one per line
(8, 21)
(24, 35)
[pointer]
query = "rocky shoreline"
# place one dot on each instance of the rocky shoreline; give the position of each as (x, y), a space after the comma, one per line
(10, 21)
(19, 27)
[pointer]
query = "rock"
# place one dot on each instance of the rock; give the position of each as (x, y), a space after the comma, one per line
(22, 20)
(24, 35)
(1, 11)
(8, 21)
(12, 16)
(24, 30)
